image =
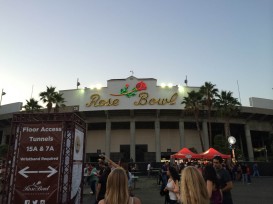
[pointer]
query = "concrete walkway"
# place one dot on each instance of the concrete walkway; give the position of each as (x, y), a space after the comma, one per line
(259, 191)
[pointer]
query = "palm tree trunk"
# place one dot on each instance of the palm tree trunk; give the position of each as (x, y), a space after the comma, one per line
(56, 109)
(227, 129)
(199, 132)
(210, 132)
(49, 107)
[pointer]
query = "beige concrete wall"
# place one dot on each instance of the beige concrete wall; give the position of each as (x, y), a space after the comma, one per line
(119, 137)
(95, 140)
(11, 108)
(146, 136)
(169, 139)
(192, 140)
(260, 126)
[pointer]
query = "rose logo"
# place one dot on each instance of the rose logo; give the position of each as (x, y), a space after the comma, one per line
(140, 86)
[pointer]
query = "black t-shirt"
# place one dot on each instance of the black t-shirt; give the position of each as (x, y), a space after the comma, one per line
(102, 181)
(224, 177)
(164, 169)
(243, 169)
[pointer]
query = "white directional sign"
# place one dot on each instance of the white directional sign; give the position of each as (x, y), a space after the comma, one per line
(50, 172)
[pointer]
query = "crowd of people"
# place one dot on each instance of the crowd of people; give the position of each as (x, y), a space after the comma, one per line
(197, 184)
(242, 172)
(190, 183)
(110, 182)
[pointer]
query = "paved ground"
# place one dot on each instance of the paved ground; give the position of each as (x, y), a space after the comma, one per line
(259, 191)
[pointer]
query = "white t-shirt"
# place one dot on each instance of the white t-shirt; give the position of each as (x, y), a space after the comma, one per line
(148, 167)
(170, 185)
(85, 171)
(130, 180)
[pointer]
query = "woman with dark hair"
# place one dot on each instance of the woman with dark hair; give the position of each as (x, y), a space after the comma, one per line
(213, 185)
(173, 185)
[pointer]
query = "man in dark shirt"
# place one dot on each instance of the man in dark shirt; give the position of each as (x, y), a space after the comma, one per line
(244, 173)
(101, 186)
(164, 170)
(224, 179)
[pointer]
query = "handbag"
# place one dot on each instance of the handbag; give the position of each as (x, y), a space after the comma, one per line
(163, 193)
(216, 197)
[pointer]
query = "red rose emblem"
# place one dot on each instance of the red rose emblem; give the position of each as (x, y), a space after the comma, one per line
(141, 86)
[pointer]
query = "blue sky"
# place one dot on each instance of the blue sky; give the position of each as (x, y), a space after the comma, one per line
(54, 42)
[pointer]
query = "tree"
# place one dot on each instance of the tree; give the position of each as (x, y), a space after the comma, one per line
(227, 107)
(32, 106)
(59, 102)
(193, 104)
(209, 93)
(221, 144)
(48, 97)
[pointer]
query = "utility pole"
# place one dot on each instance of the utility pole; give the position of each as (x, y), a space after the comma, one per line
(78, 83)
(2, 94)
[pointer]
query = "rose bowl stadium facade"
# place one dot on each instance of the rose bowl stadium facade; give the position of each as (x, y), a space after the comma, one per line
(137, 119)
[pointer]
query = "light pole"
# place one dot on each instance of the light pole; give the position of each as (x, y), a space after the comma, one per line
(2, 94)
(232, 141)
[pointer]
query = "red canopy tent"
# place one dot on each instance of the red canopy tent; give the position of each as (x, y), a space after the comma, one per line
(185, 153)
(210, 153)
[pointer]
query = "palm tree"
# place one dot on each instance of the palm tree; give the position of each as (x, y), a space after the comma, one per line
(228, 107)
(59, 102)
(193, 104)
(209, 93)
(32, 105)
(48, 97)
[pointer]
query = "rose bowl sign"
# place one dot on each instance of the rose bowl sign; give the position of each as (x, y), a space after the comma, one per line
(38, 165)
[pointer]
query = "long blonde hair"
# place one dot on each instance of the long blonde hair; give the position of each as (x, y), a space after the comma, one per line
(117, 187)
(193, 187)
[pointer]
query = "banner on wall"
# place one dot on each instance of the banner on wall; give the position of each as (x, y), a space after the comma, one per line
(77, 165)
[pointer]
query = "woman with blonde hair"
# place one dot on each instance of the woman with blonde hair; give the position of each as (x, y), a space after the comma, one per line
(193, 187)
(117, 189)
